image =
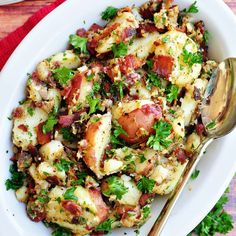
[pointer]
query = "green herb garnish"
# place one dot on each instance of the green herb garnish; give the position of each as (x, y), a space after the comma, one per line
(67, 135)
(146, 185)
(79, 43)
(30, 111)
(192, 9)
(195, 174)
(120, 49)
(211, 125)
(69, 194)
(63, 165)
(105, 226)
(172, 93)
(63, 75)
(50, 123)
(192, 58)
(109, 13)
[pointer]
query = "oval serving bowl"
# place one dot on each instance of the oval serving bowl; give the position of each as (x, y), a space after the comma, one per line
(50, 36)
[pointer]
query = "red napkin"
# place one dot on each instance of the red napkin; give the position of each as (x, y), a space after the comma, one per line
(9, 43)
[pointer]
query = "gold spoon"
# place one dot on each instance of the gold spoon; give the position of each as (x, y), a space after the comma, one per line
(218, 111)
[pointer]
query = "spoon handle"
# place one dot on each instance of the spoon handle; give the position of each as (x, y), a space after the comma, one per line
(165, 213)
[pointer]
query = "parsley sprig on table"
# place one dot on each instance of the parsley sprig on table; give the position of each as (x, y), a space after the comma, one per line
(217, 221)
(159, 140)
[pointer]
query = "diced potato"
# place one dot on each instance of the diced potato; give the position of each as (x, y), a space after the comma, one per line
(167, 174)
(112, 166)
(98, 137)
(125, 20)
(23, 137)
(52, 150)
(193, 142)
(178, 125)
(22, 194)
(172, 44)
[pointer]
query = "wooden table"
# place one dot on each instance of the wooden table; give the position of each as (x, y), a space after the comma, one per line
(15, 15)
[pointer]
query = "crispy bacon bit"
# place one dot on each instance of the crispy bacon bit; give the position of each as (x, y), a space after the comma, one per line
(66, 120)
(152, 109)
(98, 233)
(24, 128)
(72, 207)
(18, 112)
(181, 155)
(200, 129)
(145, 197)
(127, 33)
(41, 137)
(100, 204)
(35, 211)
(122, 209)
(53, 180)
(81, 32)
(163, 65)
(75, 88)
(95, 27)
(146, 27)
(129, 62)
(148, 9)
(32, 150)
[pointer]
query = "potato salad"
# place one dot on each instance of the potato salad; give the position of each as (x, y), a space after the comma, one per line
(112, 121)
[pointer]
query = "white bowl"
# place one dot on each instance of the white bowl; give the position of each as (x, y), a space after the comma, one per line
(50, 36)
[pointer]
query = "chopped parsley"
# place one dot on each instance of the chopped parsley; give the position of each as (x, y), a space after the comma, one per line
(30, 111)
(109, 13)
(50, 123)
(217, 221)
(93, 104)
(105, 226)
(206, 36)
(17, 178)
(195, 174)
(159, 140)
(146, 185)
(120, 49)
(81, 178)
(192, 9)
(146, 212)
(79, 43)
(96, 87)
(152, 80)
(63, 165)
(90, 77)
(43, 196)
(142, 158)
(67, 135)
(69, 194)
(192, 58)
(172, 93)
(118, 130)
(59, 231)
(115, 187)
(211, 125)
(63, 75)
(119, 85)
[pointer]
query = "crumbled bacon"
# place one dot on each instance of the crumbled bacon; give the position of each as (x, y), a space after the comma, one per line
(53, 180)
(41, 137)
(66, 120)
(146, 27)
(200, 129)
(72, 207)
(148, 9)
(181, 155)
(95, 27)
(163, 65)
(18, 112)
(127, 33)
(145, 197)
(23, 127)
(81, 32)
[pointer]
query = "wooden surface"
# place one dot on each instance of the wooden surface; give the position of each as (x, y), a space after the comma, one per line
(15, 15)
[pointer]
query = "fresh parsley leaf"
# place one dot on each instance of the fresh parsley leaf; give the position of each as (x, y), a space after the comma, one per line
(67, 135)
(115, 187)
(195, 174)
(120, 86)
(191, 58)
(172, 93)
(109, 13)
(17, 178)
(50, 123)
(206, 36)
(30, 111)
(59, 231)
(93, 104)
(149, 64)
(63, 75)
(90, 77)
(142, 158)
(79, 43)
(152, 80)
(146, 185)
(69, 194)
(96, 87)
(118, 131)
(159, 140)
(211, 125)
(120, 49)
(217, 221)
(22, 102)
(105, 226)
(192, 9)
(146, 212)
(81, 178)
(63, 165)
(43, 196)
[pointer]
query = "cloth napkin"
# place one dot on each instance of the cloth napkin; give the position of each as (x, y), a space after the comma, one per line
(10, 42)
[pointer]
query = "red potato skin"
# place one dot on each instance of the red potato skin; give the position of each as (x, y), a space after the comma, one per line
(41, 137)
(145, 117)
(103, 209)
(90, 157)
(72, 207)
(163, 65)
